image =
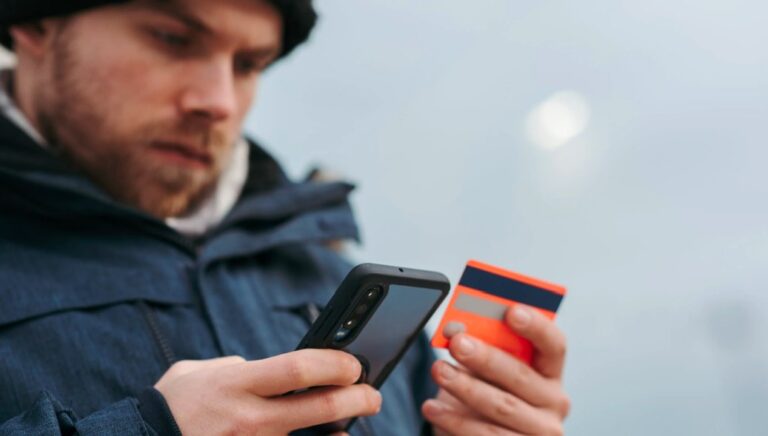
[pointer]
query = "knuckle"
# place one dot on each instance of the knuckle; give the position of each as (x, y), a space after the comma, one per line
(508, 407)
(244, 421)
(298, 370)
(330, 405)
(517, 374)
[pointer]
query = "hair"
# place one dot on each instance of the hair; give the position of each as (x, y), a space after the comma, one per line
(299, 16)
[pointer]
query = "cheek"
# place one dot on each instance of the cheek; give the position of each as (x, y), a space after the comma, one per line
(248, 91)
(136, 89)
(129, 88)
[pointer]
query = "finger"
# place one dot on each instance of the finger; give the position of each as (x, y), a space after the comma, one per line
(184, 367)
(298, 370)
(453, 328)
(449, 421)
(494, 404)
(445, 397)
(320, 406)
(546, 337)
(501, 369)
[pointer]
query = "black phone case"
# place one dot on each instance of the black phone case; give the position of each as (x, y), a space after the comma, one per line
(409, 285)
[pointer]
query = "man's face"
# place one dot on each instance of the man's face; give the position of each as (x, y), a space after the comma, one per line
(148, 97)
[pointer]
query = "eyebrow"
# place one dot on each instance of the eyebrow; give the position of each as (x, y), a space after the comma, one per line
(173, 9)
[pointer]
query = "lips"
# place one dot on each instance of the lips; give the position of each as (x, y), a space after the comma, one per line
(183, 154)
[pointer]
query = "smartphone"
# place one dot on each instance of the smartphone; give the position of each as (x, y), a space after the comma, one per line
(376, 314)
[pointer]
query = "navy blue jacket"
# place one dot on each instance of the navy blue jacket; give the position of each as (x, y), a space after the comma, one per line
(97, 299)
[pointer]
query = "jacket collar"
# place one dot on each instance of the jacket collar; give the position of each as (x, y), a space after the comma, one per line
(271, 211)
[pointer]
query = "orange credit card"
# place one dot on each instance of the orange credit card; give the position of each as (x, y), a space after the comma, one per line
(483, 296)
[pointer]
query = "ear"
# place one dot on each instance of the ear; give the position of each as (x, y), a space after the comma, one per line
(32, 38)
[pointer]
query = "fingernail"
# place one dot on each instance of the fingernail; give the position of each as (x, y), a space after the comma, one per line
(453, 328)
(448, 371)
(521, 316)
(465, 346)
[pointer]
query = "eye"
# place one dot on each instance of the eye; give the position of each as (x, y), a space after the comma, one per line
(171, 39)
(248, 65)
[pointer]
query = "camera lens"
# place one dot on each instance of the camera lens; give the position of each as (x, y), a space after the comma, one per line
(341, 334)
(372, 293)
(348, 324)
(359, 310)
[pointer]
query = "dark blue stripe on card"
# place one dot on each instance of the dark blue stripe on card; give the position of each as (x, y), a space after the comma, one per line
(510, 289)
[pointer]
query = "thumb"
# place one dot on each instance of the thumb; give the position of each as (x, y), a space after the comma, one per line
(547, 339)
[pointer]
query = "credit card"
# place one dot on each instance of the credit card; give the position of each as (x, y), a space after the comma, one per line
(483, 296)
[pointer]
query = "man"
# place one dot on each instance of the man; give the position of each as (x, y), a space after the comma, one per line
(142, 238)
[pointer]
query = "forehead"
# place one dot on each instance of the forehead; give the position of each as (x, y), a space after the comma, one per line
(249, 22)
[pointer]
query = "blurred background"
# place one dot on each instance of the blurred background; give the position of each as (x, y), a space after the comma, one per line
(617, 147)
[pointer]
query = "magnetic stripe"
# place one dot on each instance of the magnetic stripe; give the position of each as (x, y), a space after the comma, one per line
(510, 289)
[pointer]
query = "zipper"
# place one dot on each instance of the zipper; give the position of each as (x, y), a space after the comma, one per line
(310, 312)
(157, 334)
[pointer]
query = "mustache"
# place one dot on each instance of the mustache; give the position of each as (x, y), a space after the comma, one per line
(192, 133)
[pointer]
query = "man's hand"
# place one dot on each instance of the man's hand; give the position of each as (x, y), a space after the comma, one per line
(231, 396)
(494, 393)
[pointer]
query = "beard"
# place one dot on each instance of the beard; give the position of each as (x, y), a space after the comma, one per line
(84, 119)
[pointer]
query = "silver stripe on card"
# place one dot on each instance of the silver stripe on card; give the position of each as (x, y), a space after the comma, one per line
(479, 306)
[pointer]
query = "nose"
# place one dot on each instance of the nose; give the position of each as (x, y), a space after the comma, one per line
(209, 93)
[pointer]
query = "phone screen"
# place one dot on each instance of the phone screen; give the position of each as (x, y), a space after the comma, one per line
(397, 318)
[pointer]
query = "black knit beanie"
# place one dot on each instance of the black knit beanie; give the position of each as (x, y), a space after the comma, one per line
(299, 16)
